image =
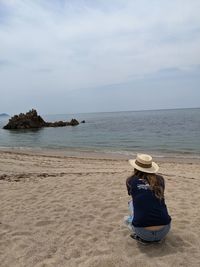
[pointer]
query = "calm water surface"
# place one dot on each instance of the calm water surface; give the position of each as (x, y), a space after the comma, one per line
(160, 131)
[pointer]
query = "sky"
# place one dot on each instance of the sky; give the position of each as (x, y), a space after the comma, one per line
(73, 56)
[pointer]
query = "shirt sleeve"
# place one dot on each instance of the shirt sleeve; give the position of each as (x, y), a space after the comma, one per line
(131, 183)
(128, 185)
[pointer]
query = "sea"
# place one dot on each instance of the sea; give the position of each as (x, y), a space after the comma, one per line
(159, 132)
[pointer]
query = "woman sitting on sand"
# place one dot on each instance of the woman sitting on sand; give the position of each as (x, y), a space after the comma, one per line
(150, 221)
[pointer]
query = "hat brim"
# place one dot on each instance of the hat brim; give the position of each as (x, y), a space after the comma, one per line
(154, 168)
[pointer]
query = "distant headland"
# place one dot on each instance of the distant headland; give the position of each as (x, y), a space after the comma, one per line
(31, 120)
(4, 115)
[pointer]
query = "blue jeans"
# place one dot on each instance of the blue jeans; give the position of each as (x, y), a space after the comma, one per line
(149, 235)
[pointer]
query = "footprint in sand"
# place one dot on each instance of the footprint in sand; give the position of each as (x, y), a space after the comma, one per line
(43, 223)
(25, 233)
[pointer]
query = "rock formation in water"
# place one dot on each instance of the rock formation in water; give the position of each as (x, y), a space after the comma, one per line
(31, 120)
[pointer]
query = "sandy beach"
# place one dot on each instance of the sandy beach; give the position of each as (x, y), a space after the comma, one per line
(68, 211)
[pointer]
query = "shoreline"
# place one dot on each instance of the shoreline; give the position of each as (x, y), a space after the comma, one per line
(66, 153)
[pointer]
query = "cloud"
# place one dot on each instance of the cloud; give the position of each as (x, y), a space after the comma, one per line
(4, 62)
(73, 45)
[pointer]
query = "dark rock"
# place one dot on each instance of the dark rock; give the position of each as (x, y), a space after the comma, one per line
(73, 122)
(31, 120)
(56, 124)
(83, 121)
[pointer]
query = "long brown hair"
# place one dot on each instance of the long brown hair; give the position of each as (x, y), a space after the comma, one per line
(156, 182)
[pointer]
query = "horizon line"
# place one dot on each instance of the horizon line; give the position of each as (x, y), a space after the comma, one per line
(114, 111)
(118, 111)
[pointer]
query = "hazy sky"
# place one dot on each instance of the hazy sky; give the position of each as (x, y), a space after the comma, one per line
(69, 56)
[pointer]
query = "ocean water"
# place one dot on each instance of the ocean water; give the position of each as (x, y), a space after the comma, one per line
(159, 132)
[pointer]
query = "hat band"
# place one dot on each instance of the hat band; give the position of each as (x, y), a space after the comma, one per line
(143, 165)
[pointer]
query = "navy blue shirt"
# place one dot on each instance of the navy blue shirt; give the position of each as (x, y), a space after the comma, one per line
(148, 209)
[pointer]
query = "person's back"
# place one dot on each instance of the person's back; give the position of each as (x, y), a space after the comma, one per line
(149, 210)
(151, 221)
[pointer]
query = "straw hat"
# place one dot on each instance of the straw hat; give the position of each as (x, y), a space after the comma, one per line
(144, 163)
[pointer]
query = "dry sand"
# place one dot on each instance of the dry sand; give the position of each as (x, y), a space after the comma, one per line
(68, 211)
